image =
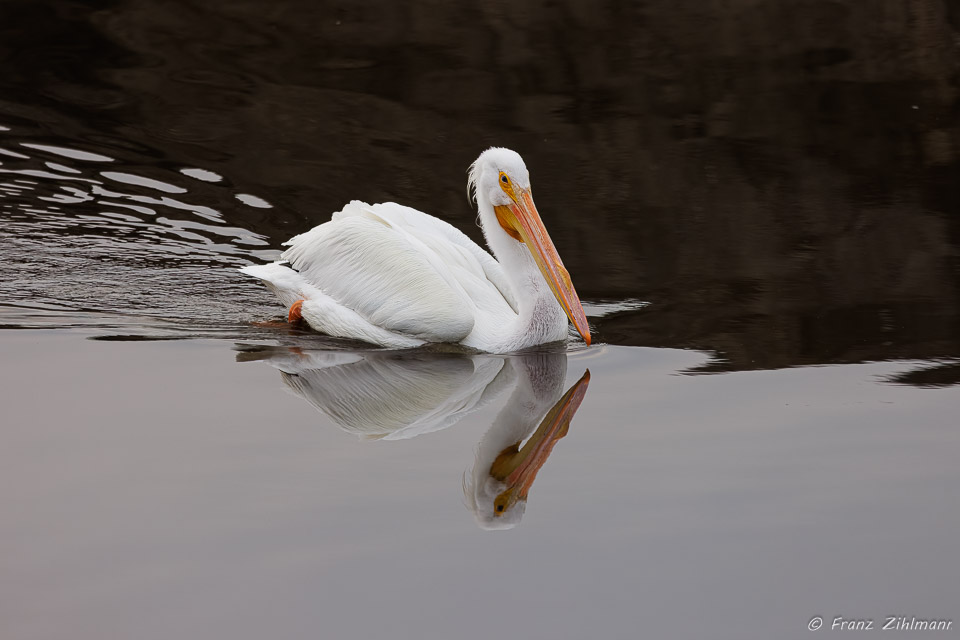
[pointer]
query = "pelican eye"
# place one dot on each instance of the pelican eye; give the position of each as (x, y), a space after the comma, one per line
(499, 507)
(504, 179)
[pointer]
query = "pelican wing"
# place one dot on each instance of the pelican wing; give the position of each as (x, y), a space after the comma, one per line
(401, 269)
(448, 242)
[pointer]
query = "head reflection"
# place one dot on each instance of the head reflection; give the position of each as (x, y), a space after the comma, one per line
(391, 396)
(521, 438)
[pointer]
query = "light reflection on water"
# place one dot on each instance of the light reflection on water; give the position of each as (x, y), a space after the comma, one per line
(78, 238)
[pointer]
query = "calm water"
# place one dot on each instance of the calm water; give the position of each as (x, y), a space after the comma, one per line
(758, 202)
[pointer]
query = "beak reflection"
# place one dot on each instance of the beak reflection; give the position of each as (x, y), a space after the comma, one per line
(517, 466)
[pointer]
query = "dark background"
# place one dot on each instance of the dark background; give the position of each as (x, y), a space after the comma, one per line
(779, 179)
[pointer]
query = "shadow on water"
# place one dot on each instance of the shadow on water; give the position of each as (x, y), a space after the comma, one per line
(780, 187)
(400, 395)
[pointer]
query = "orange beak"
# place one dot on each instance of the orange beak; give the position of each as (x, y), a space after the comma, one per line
(522, 221)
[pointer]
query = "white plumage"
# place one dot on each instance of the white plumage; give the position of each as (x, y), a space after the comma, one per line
(396, 277)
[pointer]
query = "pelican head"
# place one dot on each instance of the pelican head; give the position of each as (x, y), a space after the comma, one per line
(500, 183)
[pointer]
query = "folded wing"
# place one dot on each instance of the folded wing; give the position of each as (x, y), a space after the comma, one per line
(401, 269)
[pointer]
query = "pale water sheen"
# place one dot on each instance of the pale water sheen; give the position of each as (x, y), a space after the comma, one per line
(158, 489)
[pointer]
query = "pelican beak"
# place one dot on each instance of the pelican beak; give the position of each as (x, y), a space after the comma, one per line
(517, 466)
(522, 221)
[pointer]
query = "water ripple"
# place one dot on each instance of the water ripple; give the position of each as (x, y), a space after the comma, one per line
(74, 246)
(74, 154)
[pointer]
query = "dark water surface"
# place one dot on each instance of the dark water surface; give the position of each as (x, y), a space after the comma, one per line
(763, 190)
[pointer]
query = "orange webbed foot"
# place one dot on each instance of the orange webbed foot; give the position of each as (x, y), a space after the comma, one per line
(295, 316)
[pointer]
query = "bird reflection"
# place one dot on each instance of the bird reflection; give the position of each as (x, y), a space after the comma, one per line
(504, 469)
(397, 395)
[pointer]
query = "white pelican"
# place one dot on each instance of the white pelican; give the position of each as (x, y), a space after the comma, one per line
(396, 277)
